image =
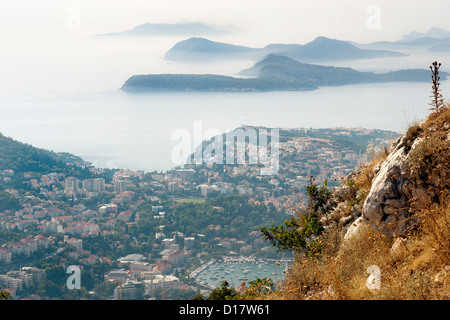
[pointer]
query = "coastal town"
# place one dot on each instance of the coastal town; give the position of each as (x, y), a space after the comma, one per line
(147, 235)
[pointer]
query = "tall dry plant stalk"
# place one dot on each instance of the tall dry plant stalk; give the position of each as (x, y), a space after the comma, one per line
(437, 100)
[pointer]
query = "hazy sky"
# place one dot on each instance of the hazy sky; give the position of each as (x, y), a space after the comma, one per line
(56, 82)
(260, 21)
(45, 44)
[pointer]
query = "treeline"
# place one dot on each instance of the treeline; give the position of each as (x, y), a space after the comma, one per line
(206, 82)
(234, 214)
(22, 157)
(274, 73)
(334, 76)
(8, 202)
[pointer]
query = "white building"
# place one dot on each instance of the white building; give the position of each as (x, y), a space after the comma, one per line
(10, 282)
(108, 208)
(134, 257)
(244, 190)
(75, 243)
(167, 242)
(5, 255)
(161, 281)
(38, 275)
(72, 186)
(53, 227)
(206, 188)
(94, 185)
(24, 247)
(27, 279)
(120, 185)
(141, 266)
(119, 274)
(126, 291)
(92, 228)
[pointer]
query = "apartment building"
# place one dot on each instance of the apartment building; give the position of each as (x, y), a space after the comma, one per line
(5, 255)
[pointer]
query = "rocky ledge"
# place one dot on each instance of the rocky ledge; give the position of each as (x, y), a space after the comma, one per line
(414, 176)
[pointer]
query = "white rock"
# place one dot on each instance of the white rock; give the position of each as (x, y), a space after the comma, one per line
(396, 246)
(439, 278)
(354, 228)
(386, 207)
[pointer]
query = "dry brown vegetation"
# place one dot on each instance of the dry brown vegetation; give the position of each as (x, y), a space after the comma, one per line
(366, 174)
(413, 266)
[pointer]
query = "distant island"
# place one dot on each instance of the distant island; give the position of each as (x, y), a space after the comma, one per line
(321, 48)
(168, 29)
(437, 33)
(434, 40)
(273, 73)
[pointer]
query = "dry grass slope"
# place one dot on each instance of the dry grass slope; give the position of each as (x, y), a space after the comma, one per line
(415, 265)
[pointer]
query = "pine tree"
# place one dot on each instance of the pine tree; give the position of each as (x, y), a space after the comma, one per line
(5, 295)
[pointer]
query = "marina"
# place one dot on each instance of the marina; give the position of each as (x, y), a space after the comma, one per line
(237, 270)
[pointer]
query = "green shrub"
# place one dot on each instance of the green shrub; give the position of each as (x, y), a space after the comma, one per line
(300, 234)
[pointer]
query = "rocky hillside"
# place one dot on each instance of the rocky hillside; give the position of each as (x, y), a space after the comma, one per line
(413, 177)
(388, 236)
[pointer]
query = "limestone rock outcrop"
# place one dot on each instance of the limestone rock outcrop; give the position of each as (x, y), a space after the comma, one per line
(400, 190)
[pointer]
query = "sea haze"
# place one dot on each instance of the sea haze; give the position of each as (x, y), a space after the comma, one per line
(115, 129)
(67, 98)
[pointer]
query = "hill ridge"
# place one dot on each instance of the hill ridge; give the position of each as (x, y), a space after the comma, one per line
(321, 48)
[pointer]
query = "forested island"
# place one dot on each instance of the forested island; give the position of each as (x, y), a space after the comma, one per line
(273, 73)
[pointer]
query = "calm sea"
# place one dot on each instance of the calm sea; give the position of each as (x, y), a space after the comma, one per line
(119, 130)
(65, 97)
